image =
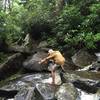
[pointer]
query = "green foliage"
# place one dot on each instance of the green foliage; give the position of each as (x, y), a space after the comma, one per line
(37, 18)
(69, 20)
(11, 23)
(95, 8)
(74, 29)
(52, 42)
(76, 25)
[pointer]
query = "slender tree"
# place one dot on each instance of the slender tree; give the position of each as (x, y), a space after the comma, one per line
(7, 5)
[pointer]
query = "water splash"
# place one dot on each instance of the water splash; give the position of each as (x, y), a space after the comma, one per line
(49, 80)
(98, 56)
(88, 96)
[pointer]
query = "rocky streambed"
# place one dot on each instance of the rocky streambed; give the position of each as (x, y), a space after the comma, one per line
(32, 81)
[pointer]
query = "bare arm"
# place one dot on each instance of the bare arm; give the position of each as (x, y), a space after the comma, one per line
(50, 56)
(47, 58)
(42, 61)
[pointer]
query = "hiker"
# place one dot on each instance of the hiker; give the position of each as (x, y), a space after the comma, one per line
(56, 59)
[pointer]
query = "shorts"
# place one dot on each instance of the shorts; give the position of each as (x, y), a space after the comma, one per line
(52, 66)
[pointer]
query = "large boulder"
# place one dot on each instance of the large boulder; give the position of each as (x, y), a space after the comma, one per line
(43, 44)
(45, 92)
(69, 65)
(32, 62)
(25, 81)
(11, 65)
(57, 79)
(98, 56)
(94, 67)
(36, 87)
(26, 94)
(66, 92)
(19, 49)
(98, 94)
(83, 58)
(87, 81)
(8, 93)
(29, 87)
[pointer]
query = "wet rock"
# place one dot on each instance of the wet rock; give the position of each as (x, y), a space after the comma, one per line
(45, 92)
(69, 65)
(25, 86)
(83, 58)
(12, 65)
(66, 92)
(26, 94)
(57, 79)
(86, 85)
(28, 80)
(36, 78)
(94, 67)
(32, 62)
(17, 85)
(87, 81)
(98, 94)
(8, 93)
(41, 78)
(98, 56)
(72, 75)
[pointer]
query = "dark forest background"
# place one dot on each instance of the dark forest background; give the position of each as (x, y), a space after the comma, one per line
(64, 24)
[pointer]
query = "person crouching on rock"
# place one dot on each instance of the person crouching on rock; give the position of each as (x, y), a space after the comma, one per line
(56, 59)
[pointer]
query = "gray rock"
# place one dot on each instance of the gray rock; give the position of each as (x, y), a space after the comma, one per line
(19, 49)
(25, 81)
(83, 58)
(66, 92)
(45, 92)
(12, 65)
(98, 94)
(42, 44)
(32, 62)
(25, 87)
(26, 94)
(8, 93)
(87, 81)
(69, 65)
(94, 67)
(98, 56)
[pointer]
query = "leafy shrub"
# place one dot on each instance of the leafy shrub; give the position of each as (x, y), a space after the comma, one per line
(77, 25)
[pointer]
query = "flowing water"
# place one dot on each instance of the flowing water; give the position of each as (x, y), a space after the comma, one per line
(98, 56)
(88, 96)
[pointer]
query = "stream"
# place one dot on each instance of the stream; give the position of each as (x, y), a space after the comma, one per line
(88, 96)
(81, 84)
(31, 86)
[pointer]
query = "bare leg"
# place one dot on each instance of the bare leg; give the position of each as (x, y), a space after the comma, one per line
(53, 76)
(53, 73)
(62, 67)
